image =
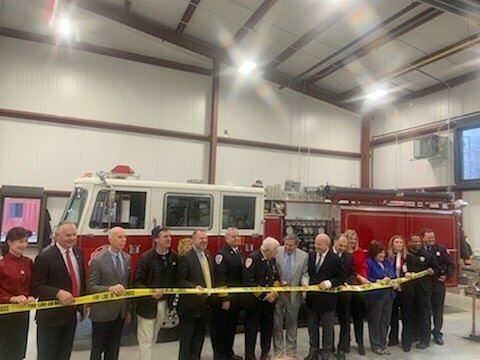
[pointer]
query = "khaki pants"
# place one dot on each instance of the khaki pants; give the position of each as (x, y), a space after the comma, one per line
(147, 331)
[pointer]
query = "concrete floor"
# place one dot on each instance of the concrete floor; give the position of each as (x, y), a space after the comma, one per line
(457, 326)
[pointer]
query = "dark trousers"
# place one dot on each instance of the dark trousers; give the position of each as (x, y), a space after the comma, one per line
(398, 313)
(343, 313)
(106, 339)
(379, 313)
(358, 314)
(55, 342)
(259, 316)
(417, 319)
(223, 331)
(327, 319)
(438, 302)
(192, 335)
(13, 335)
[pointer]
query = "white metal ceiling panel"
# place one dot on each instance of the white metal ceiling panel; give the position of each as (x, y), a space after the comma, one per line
(343, 81)
(164, 12)
(365, 18)
(217, 21)
(439, 32)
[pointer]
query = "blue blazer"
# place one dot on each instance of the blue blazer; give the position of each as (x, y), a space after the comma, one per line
(375, 272)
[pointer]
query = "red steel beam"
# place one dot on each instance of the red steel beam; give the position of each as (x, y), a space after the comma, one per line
(95, 124)
(289, 148)
(452, 82)
(103, 50)
(439, 54)
(253, 20)
(306, 38)
(187, 15)
(212, 164)
(147, 26)
(379, 41)
(365, 150)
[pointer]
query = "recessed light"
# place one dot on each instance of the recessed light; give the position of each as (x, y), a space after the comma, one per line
(247, 67)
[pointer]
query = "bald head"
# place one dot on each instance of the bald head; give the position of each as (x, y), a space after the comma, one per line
(322, 243)
(117, 238)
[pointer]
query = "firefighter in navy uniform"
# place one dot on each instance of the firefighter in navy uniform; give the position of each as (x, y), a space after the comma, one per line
(260, 270)
(445, 263)
(228, 272)
(417, 295)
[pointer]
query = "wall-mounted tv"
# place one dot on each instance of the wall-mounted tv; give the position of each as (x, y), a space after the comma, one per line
(467, 152)
(21, 206)
(23, 212)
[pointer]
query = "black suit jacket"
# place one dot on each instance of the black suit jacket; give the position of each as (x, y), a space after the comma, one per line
(190, 275)
(349, 264)
(332, 269)
(50, 275)
(444, 261)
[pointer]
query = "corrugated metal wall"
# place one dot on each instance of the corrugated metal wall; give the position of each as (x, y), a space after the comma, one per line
(41, 78)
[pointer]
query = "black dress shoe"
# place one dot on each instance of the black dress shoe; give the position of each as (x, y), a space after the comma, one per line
(406, 348)
(393, 342)
(422, 345)
(341, 355)
(361, 349)
(236, 357)
(438, 340)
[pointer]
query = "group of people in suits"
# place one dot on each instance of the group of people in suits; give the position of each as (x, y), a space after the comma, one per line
(59, 274)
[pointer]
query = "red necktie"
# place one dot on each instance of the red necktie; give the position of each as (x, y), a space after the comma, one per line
(73, 278)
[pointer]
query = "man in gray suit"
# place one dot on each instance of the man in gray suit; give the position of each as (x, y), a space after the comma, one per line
(109, 271)
(292, 266)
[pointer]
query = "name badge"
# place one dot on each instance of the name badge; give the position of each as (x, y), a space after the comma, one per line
(438, 253)
(422, 259)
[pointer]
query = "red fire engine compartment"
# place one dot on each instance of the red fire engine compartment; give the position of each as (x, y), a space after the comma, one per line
(374, 223)
(373, 214)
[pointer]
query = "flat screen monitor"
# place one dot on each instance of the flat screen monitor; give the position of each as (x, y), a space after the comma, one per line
(467, 153)
(23, 212)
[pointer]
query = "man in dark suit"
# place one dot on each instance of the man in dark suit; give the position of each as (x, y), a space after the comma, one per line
(445, 263)
(326, 270)
(228, 272)
(260, 270)
(58, 274)
(344, 300)
(417, 295)
(195, 270)
(109, 271)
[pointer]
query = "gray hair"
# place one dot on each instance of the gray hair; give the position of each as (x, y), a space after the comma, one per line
(269, 243)
(293, 237)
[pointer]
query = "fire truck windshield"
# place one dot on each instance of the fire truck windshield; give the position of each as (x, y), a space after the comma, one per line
(76, 202)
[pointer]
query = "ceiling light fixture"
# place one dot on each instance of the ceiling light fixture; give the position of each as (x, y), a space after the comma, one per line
(377, 94)
(247, 67)
(64, 27)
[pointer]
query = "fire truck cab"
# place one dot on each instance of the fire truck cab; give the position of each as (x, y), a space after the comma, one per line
(99, 202)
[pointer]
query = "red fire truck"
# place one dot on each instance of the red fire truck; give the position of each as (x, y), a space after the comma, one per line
(101, 201)
(119, 198)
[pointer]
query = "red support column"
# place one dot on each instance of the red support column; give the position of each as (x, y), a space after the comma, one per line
(365, 152)
(212, 164)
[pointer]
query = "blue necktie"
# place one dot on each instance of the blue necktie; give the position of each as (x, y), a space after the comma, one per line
(289, 269)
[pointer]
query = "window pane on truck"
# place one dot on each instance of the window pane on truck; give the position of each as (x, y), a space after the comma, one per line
(119, 208)
(239, 212)
(188, 211)
(75, 206)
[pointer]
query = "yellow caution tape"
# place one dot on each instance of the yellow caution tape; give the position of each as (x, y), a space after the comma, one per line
(134, 293)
